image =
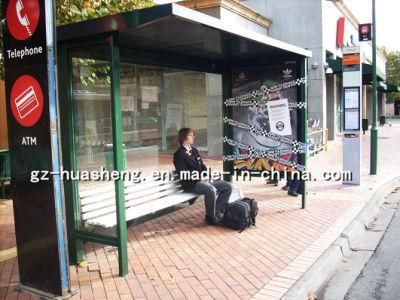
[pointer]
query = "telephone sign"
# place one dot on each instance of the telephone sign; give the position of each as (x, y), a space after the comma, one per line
(22, 18)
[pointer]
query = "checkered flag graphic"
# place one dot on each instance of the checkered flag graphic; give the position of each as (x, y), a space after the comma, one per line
(252, 128)
(264, 89)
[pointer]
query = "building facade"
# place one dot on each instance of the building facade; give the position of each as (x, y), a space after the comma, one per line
(314, 25)
(324, 27)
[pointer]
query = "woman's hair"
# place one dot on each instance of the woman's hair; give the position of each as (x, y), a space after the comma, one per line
(183, 134)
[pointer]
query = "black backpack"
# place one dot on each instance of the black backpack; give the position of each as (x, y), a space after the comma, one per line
(241, 214)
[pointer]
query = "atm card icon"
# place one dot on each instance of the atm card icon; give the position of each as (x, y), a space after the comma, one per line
(26, 102)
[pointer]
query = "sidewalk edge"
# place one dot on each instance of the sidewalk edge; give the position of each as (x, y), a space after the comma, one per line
(325, 266)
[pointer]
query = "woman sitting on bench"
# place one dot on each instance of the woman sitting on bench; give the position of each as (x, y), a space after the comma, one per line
(187, 158)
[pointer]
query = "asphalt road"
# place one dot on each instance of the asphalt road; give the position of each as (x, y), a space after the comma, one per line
(380, 278)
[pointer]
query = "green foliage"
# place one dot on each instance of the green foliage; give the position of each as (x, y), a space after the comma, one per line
(392, 71)
(72, 11)
(93, 75)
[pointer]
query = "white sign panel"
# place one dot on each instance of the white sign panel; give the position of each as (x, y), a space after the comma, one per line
(352, 120)
(351, 98)
(279, 117)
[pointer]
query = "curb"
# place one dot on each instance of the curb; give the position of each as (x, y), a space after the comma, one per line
(325, 266)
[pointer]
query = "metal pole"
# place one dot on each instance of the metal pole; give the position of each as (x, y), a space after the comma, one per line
(304, 126)
(118, 155)
(374, 129)
(55, 146)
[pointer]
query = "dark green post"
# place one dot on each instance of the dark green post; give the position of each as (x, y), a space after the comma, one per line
(374, 129)
(303, 126)
(72, 202)
(118, 155)
(226, 112)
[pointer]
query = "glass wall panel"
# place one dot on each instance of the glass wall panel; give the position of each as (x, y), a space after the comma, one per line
(157, 102)
(91, 93)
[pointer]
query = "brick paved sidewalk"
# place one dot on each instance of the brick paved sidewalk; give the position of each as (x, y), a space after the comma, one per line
(177, 257)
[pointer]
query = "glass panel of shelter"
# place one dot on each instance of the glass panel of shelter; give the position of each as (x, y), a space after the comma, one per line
(156, 102)
(91, 95)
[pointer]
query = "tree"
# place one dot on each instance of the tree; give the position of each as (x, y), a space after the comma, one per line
(392, 71)
(72, 11)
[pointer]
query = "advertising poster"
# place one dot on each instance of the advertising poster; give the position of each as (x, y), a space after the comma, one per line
(276, 118)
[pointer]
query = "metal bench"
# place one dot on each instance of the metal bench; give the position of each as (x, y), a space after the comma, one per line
(5, 171)
(141, 199)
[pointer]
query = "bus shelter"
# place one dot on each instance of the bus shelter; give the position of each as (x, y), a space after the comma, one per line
(129, 81)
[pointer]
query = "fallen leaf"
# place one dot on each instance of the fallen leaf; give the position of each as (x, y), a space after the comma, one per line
(83, 264)
(171, 280)
(344, 259)
(367, 227)
(312, 296)
(152, 277)
(93, 267)
(355, 249)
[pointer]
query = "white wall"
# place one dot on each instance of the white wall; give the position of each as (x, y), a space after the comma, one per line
(330, 16)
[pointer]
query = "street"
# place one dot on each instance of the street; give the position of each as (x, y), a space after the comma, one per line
(381, 276)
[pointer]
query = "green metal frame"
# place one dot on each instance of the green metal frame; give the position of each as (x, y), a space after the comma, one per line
(304, 126)
(73, 212)
(118, 155)
(374, 129)
(76, 235)
(227, 112)
(5, 172)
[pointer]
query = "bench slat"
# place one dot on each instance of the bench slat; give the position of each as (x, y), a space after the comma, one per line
(102, 194)
(144, 209)
(128, 203)
(108, 187)
(132, 198)
(108, 199)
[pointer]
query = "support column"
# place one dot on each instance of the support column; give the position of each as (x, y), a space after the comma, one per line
(383, 104)
(303, 126)
(317, 105)
(364, 102)
(118, 155)
(226, 112)
(331, 106)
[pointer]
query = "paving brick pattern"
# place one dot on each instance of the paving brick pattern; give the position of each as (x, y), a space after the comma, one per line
(177, 256)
